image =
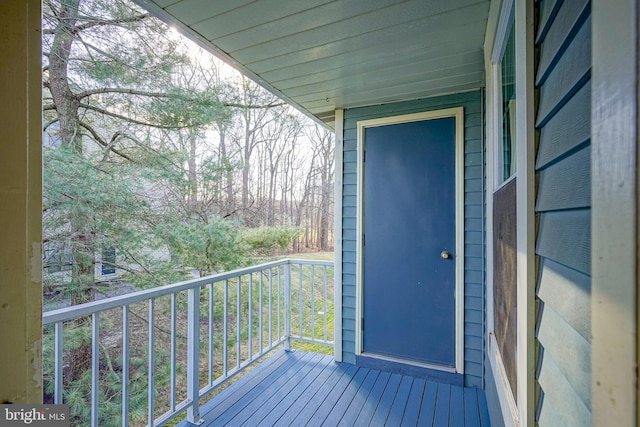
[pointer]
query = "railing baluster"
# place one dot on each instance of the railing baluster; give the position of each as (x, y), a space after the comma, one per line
(250, 317)
(173, 352)
(238, 316)
(210, 338)
(324, 303)
(260, 310)
(57, 352)
(278, 299)
(287, 306)
(125, 366)
(300, 271)
(95, 364)
(151, 365)
(193, 355)
(270, 309)
(225, 330)
(313, 303)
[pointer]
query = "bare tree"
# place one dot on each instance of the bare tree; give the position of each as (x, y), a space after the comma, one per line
(323, 146)
(255, 113)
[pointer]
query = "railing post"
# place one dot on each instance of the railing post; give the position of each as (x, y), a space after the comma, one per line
(58, 363)
(287, 306)
(95, 369)
(193, 355)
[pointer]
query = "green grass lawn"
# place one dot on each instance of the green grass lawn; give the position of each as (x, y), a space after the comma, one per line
(312, 256)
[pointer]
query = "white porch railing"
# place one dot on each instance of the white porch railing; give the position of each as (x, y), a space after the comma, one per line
(175, 344)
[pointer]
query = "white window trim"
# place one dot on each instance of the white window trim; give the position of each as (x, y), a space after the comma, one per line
(506, 399)
(505, 23)
(458, 114)
(522, 411)
(506, 19)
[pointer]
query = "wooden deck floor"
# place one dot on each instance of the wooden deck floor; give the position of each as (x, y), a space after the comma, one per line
(308, 389)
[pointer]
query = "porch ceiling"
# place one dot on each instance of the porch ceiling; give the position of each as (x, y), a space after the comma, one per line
(321, 55)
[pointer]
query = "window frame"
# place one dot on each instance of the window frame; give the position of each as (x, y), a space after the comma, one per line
(505, 25)
(505, 21)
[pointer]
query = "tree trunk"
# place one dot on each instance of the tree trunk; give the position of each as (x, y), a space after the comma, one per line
(246, 166)
(193, 168)
(67, 104)
(228, 173)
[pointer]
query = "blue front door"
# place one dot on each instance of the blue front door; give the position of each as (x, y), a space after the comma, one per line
(409, 229)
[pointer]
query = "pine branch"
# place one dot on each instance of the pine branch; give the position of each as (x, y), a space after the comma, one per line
(95, 22)
(130, 119)
(146, 147)
(131, 91)
(99, 140)
(49, 123)
(252, 106)
(118, 21)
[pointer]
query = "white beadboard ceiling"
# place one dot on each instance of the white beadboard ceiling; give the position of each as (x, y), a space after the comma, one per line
(320, 55)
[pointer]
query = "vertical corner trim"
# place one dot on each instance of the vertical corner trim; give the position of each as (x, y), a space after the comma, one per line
(337, 235)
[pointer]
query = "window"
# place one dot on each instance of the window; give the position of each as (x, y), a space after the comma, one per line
(57, 257)
(108, 261)
(502, 281)
(508, 95)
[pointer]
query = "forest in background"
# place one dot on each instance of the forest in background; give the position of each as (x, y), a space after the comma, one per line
(159, 160)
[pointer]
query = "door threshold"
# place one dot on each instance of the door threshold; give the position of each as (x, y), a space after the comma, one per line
(442, 374)
(410, 362)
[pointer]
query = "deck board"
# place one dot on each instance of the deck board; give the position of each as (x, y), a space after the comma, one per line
(359, 400)
(471, 412)
(329, 375)
(299, 394)
(262, 391)
(456, 406)
(224, 401)
(343, 403)
(300, 388)
(484, 411)
(382, 411)
(325, 403)
(428, 408)
(260, 408)
(414, 401)
(370, 405)
(400, 402)
(441, 418)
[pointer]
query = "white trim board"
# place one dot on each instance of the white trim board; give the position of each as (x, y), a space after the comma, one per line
(525, 206)
(458, 114)
(615, 226)
(505, 397)
(337, 237)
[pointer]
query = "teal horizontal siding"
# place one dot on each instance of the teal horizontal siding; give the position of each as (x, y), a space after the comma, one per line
(473, 217)
(563, 200)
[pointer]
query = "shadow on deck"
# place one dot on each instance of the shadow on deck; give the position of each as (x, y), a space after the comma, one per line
(300, 388)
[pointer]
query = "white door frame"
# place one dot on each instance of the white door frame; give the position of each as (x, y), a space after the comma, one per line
(458, 114)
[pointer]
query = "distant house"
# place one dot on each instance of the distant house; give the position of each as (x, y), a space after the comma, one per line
(486, 186)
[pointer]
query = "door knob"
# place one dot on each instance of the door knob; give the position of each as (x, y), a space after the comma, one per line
(445, 255)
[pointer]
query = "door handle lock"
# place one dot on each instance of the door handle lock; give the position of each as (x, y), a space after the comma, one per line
(445, 255)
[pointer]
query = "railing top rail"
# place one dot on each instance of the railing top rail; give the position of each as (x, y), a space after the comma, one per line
(81, 310)
(310, 262)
